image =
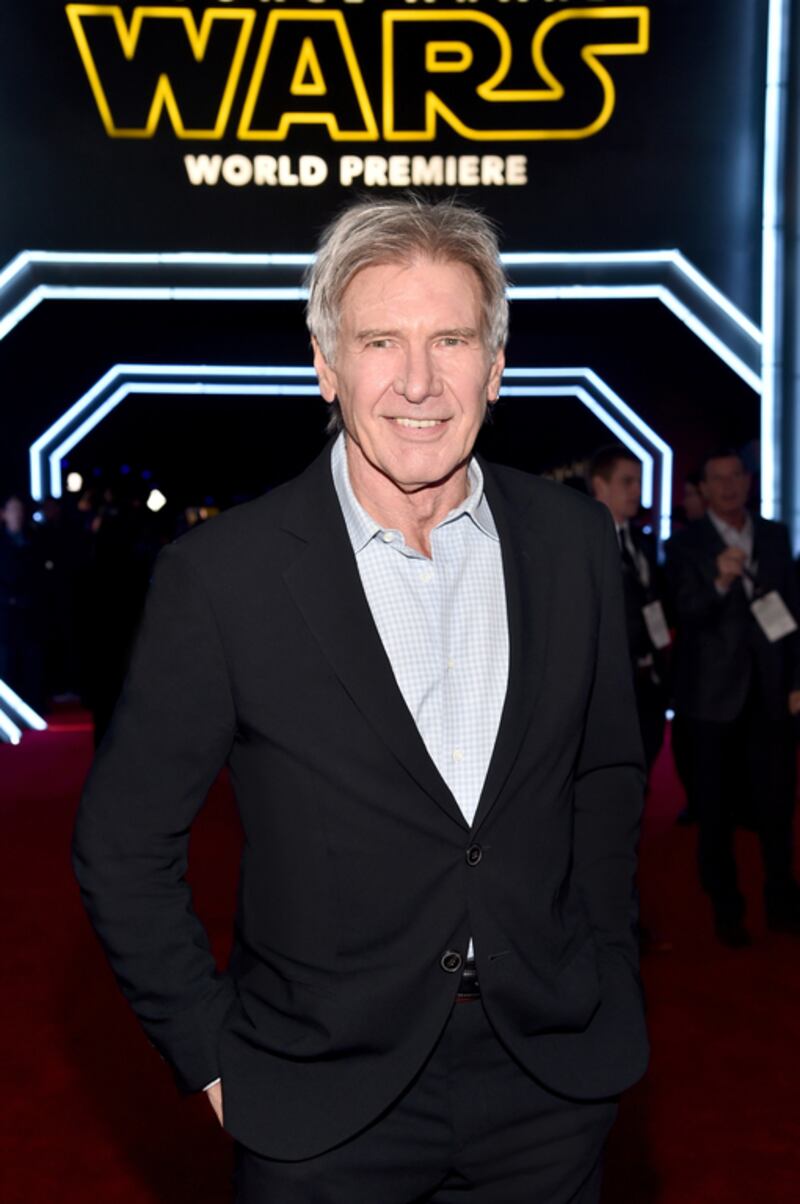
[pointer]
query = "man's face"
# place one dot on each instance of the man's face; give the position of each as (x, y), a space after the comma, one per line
(412, 373)
(622, 492)
(726, 485)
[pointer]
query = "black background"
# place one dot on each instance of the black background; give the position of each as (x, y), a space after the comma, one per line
(679, 165)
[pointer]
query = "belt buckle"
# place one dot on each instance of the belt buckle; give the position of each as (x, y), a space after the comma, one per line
(468, 988)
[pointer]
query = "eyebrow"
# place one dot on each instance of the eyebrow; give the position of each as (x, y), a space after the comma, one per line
(464, 332)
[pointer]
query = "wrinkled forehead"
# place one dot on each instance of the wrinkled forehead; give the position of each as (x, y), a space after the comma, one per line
(397, 283)
(725, 468)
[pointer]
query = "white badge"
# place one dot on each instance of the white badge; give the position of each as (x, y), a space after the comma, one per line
(656, 625)
(773, 616)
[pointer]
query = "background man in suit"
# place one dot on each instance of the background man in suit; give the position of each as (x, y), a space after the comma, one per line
(615, 479)
(737, 685)
(414, 665)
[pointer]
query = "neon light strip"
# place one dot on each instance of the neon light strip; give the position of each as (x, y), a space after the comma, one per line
(672, 258)
(173, 258)
(190, 387)
(14, 267)
(23, 711)
(10, 731)
(665, 506)
(711, 341)
(633, 418)
(210, 370)
(94, 418)
(146, 292)
(39, 445)
(771, 245)
(720, 300)
(608, 421)
(584, 292)
(255, 293)
(16, 315)
(125, 390)
(653, 292)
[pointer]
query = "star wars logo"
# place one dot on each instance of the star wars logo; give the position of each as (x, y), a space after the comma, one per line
(392, 75)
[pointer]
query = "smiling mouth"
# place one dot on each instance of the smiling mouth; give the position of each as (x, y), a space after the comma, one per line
(419, 424)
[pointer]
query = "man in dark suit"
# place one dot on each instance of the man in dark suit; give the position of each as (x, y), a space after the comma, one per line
(413, 664)
(737, 685)
(615, 479)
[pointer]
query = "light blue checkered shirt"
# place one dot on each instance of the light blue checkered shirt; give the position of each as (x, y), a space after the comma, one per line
(443, 624)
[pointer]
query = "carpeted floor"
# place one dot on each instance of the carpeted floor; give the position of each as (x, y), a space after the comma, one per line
(89, 1113)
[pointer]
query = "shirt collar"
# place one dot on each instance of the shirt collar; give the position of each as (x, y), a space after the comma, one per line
(362, 527)
(728, 532)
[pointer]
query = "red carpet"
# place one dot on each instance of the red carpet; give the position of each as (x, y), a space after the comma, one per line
(89, 1114)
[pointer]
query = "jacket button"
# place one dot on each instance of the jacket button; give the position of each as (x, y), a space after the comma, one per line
(474, 854)
(451, 961)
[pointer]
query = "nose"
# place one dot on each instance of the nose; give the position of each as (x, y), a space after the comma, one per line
(418, 379)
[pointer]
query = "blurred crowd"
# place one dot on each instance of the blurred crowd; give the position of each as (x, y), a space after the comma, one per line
(74, 572)
(711, 621)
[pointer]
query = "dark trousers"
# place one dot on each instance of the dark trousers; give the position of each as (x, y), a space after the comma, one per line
(760, 752)
(473, 1124)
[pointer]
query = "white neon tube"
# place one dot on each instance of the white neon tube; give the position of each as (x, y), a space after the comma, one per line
(600, 412)
(771, 243)
(11, 732)
(21, 708)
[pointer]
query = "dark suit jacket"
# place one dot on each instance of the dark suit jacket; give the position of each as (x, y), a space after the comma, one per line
(637, 596)
(720, 645)
(258, 647)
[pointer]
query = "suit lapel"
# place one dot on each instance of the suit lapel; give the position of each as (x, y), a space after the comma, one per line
(527, 553)
(712, 536)
(326, 586)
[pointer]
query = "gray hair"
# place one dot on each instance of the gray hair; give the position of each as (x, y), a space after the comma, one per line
(398, 231)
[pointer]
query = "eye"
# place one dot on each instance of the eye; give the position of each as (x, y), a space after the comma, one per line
(452, 340)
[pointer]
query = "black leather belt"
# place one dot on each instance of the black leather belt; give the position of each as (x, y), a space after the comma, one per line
(468, 988)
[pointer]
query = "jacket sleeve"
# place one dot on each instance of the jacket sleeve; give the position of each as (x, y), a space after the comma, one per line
(170, 735)
(791, 597)
(691, 578)
(609, 779)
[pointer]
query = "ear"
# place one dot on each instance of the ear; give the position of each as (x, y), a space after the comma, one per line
(495, 375)
(325, 373)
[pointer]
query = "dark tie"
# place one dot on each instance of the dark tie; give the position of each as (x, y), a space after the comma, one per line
(628, 560)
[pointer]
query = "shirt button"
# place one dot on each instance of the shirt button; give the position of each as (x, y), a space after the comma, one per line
(426, 575)
(451, 664)
(387, 536)
(474, 854)
(451, 961)
(458, 754)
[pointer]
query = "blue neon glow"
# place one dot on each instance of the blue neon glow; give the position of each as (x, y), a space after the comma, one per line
(672, 258)
(287, 293)
(608, 421)
(9, 730)
(211, 370)
(153, 292)
(21, 708)
(711, 340)
(49, 445)
(21, 311)
(771, 247)
(636, 421)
